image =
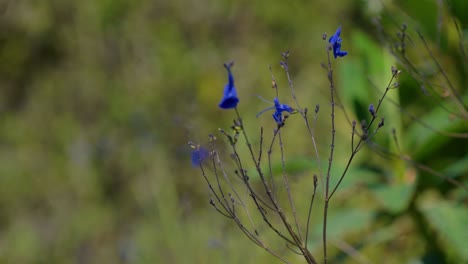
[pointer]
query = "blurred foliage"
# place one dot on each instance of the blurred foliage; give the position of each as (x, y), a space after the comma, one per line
(98, 100)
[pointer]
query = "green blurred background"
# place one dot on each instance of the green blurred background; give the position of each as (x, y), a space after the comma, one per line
(99, 98)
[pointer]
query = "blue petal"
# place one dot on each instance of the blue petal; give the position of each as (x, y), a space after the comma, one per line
(198, 155)
(336, 37)
(229, 102)
(230, 99)
(335, 41)
(341, 54)
(279, 108)
(264, 110)
(278, 117)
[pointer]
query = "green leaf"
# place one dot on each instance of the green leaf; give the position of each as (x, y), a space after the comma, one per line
(449, 220)
(346, 221)
(367, 61)
(394, 198)
(457, 168)
(424, 142)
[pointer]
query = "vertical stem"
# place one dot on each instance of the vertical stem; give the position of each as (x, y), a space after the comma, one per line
(286, 185)
(330, 158)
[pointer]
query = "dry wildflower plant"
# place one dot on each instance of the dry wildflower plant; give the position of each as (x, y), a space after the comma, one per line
(263, 210)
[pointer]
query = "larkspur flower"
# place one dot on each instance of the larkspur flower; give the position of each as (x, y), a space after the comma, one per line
(335, 41)
(198, 155)
(230, 98)
(279, 109)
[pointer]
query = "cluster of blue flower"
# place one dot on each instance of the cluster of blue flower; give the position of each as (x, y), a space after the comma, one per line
(230, 98)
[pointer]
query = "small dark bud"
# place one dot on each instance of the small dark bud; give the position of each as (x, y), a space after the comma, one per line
(404, 26)
(364, 126)
(381, 124)
(396, 85)
(315, 180)
(324, 36)
(229, 64)
(372, 110)
(212, 202)
(285, 55)
(317, 108)
(394, 70)
(306, 110)
(354, 123)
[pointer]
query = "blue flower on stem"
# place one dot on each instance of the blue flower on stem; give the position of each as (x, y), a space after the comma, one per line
(280, 108)
(198, 155)
(230, 98)
(335, 41)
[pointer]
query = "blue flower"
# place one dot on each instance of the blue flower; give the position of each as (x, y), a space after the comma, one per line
(198, 155)
(280, 108)
(230, 98)
(335, 41)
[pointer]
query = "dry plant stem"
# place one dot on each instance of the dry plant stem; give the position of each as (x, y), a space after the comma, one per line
(424, 84)
(257, 199)
(240, 201)
(454, 93)
(216, 160)
(215, 171)
(315, 176)
(295, 237)
(286, 185)
(312, 136)
(330, 158)
(419, 78)
(306, 120)
(256, 240)
(422, 123)
(253, 195)
(260, 151)
(230, 213)
(275, 86)
(363, 139)
(310, 210)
